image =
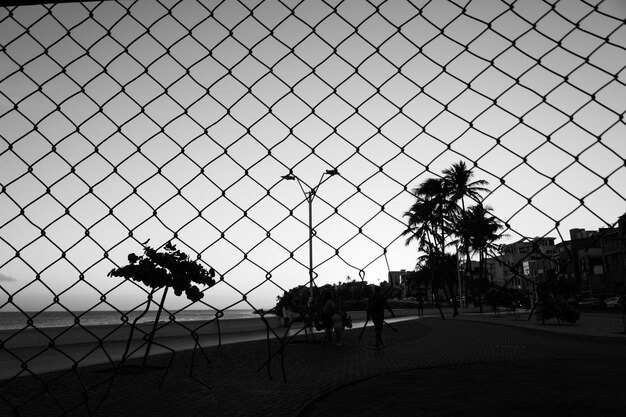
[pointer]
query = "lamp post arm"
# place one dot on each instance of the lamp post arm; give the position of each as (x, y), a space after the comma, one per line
(307, 194)
(314, 190)
(325, 177)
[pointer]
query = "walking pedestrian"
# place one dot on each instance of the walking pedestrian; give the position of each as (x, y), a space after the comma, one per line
(420, 306)
(376, 312)
(286, 316)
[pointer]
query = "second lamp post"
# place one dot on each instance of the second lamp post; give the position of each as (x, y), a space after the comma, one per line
(310, 195)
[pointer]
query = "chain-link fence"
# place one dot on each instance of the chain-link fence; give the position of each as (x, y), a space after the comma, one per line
(123, 122)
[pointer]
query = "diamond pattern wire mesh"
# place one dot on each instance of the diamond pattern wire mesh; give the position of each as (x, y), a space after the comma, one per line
(175, 120)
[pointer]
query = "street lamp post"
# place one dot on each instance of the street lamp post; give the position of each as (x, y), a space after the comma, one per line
(310, 195)
(311, 279)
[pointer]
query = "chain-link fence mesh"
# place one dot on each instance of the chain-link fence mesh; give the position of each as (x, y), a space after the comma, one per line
(123, 122)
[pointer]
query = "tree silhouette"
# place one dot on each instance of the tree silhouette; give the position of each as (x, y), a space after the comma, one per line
(428, 224)
(439, 214)
(460, 184)
(479, 229)
(169, 269)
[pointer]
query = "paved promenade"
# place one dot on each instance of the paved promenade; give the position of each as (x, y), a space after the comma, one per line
(431, 367)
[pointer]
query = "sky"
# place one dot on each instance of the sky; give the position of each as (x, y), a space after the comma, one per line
(122, 122)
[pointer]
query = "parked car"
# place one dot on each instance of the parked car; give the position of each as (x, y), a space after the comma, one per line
(613, 302)
(592, 302)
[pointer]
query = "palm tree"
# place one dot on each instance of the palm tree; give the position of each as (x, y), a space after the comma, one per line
(435, 217)
(426, 214)
(427, 223)
(463, 244)
(458, 181)
(460, 184)
(479, 229)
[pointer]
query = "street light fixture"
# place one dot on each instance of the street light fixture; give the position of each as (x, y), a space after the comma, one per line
(310, 195)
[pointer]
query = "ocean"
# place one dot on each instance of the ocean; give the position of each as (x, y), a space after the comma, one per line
(18, 320)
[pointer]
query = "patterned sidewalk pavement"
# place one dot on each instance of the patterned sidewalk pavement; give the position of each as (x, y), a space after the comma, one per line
(426, 359)
(507, 365)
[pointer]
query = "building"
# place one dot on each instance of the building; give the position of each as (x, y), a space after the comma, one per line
(594, 261)
(395, 278)
(409, 283)
(613, 250)
(591, 263)
(527, 262)
(570, 255)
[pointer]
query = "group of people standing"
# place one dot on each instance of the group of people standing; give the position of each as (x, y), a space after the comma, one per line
(335, 320)
(332, 319)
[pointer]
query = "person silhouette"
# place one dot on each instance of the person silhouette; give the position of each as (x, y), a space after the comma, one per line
(420, 306)
(328, 309)
(376, 306)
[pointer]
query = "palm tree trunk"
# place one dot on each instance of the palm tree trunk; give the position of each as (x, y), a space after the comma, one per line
(469, 272)
(455, 310)
(480, 280)
(435, 286)
(433, 271)
(442, 260)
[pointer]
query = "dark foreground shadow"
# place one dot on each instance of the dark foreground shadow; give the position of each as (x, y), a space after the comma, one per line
(519, 388)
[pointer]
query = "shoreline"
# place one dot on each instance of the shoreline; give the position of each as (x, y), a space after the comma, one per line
(81, 347)
(57, 348)
(147, 321)
(70, 335)
(31, 337)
